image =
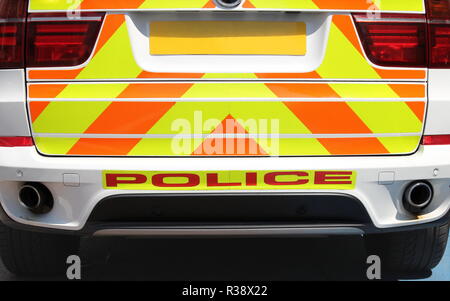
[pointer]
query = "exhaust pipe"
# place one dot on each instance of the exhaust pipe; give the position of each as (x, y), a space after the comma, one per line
(417, 196)
(36, 198)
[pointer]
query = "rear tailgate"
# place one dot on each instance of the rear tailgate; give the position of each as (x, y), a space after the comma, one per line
(270, 77)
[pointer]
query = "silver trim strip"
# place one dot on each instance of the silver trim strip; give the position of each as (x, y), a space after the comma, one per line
(78, 19)
(231, 231)
(369, 19)
(273, 135)
(12, 20)
(281, 99)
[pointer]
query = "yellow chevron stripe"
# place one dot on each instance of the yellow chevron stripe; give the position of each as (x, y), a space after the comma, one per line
(191, 116)
(230, 75)
(166, 147)
(342, 60)
(114, 60)
(87, 91)
(69, 117)
(368, 90)
(286, 4)
(54, 4)
(387, 117)
(400, 145)
(292, 147)
(160, 4)
(401, 5)
(267, 115)
(54, 146)
(229, 90)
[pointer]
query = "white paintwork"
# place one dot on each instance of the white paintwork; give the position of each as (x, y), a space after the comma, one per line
(438, 116)
(317, 37)
(74, 204)
(13, 113)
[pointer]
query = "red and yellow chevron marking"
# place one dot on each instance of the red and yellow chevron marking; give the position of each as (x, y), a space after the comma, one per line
(226, 119)
(383, 5)
(344, 59)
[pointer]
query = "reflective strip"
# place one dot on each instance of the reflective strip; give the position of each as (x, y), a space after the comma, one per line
(385, 5)
(113, 59)
(387, 117)
(68, 117)
(355, 90)
(232, 90)
(225, 135)
(211, 90)
(92, 91)
(225, 146)
(269, 125)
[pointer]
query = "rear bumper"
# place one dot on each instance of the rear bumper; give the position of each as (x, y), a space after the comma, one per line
(379, 188)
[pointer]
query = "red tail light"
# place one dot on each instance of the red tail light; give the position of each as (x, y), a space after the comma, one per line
(403, 40)
(394, 39)
(436, 140)
(12, 33)
(57, 40)
(439, 33)
(16, 141)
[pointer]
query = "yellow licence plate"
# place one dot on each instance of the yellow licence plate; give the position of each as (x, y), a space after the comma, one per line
(227, 38)
(229, 180)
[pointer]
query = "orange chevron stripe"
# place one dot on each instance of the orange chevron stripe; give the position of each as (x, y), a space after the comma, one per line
(129, 117)
(346, 26)
(45, 91)
(248, 4)
(36, 108)
(328, 117)
(401, 74)
(155, 90)
(112, 24)
(345, 4)
(114, 4)
(409, 91)
(418, 108)
(302, 90)
(353, 146)
(210, 4)
(229, 146)
(103, 146)
(54, 74)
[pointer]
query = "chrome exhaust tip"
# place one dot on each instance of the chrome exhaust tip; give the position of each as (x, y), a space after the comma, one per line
(417, 196)
(36, 198)
(228, 3)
